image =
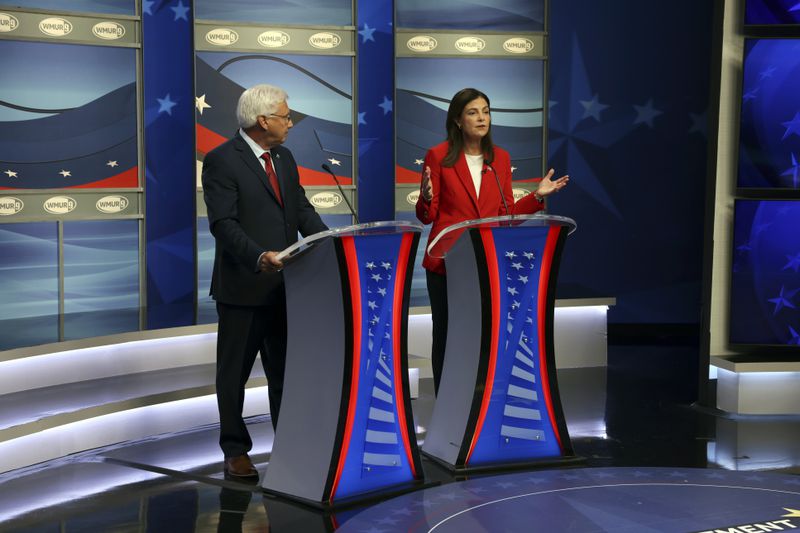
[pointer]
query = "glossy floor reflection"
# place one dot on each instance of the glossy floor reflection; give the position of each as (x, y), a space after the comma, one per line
(634, 414)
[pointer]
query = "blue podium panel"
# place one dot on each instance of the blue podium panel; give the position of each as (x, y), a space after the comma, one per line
(376, 451)
(516, 420)
(346, 430)
(498, 404)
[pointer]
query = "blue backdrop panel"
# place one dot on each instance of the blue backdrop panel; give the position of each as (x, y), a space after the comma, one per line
(170, 164)
(424, 90)
(499, 15)
(636, 152)
(772, 12)
(375, 110)
(80, 131)
(324, 12)
(206, 308)
(769, 142)
(29, 284)
(101, 277)
(110, 7)
(765, 290)
(320, 97)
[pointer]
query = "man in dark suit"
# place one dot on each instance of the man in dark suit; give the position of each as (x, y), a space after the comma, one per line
(256, 207)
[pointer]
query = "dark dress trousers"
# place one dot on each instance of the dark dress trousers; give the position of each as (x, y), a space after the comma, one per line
(246, 220)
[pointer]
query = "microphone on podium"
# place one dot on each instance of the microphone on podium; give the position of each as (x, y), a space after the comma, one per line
(499, 187)
(327, 169)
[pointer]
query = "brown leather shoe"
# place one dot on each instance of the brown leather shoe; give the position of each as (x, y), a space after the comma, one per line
(240, 466)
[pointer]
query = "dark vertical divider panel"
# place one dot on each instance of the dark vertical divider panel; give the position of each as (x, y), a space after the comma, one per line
(169, 163)
(628, 121)
(375, 51)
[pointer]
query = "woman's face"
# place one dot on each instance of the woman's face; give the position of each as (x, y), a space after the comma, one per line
(475, 119)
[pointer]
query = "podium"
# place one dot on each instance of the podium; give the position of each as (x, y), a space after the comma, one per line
(498, 404)
(346, 430)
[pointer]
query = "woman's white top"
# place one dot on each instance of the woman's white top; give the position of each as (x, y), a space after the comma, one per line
(475, 164)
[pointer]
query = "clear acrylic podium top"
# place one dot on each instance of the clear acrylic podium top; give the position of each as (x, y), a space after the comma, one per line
(447, 238)
(384, 227)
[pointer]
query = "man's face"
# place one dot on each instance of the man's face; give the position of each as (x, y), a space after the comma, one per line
(278, 125)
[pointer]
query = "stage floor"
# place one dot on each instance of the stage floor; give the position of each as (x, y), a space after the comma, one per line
(653, 463)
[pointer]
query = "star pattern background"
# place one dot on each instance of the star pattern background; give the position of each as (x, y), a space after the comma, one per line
(765, 307)
(772, 12)
(769, 137)
(636, 154)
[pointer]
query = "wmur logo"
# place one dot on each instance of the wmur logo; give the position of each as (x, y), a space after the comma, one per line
(519, 194)
(60, 205)
(274, 39)
(8, 22)
(55, 27)
(112, 204)
(518, 45)
(10, 205)
(326, 200)
(412, 197)
(470, 45)
(222, 37)
(325, 40)
(108, 30)
(422, 43)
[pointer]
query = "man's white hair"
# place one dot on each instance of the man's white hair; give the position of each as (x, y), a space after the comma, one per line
(258, 100)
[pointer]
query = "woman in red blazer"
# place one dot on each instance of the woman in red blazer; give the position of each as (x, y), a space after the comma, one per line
(458, 184)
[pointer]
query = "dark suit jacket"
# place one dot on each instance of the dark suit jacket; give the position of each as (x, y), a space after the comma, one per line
(246, 218)
(454, 199)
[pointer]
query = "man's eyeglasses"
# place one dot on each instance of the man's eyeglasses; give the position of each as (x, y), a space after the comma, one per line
(287, 117)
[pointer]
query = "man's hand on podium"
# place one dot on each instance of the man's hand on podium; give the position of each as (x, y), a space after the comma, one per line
(269, 262)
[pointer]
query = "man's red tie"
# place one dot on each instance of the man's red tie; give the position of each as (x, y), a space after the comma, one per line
(271, 176)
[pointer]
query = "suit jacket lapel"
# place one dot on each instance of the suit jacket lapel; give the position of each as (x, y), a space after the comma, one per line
(462, 169)
(256, 165)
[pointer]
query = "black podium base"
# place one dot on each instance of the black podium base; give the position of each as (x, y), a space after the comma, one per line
(566, 461)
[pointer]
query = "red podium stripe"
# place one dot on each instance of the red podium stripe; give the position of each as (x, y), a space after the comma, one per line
(494, 285)
(397, 311)
(544, 281)
(349, 245)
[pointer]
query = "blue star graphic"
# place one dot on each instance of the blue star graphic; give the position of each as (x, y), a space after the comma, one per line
(646, 113)
(750, 95)
(782, 300)
(146, 5)
(366, 33)
(592, 108)
(794, 262)
(386, 105)
(764, 74)
(795, 337)
(699, 122)
(361, 119)
(793, 171)
(180, 11)
(165, 105)
(793, 126)
(571, 134)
